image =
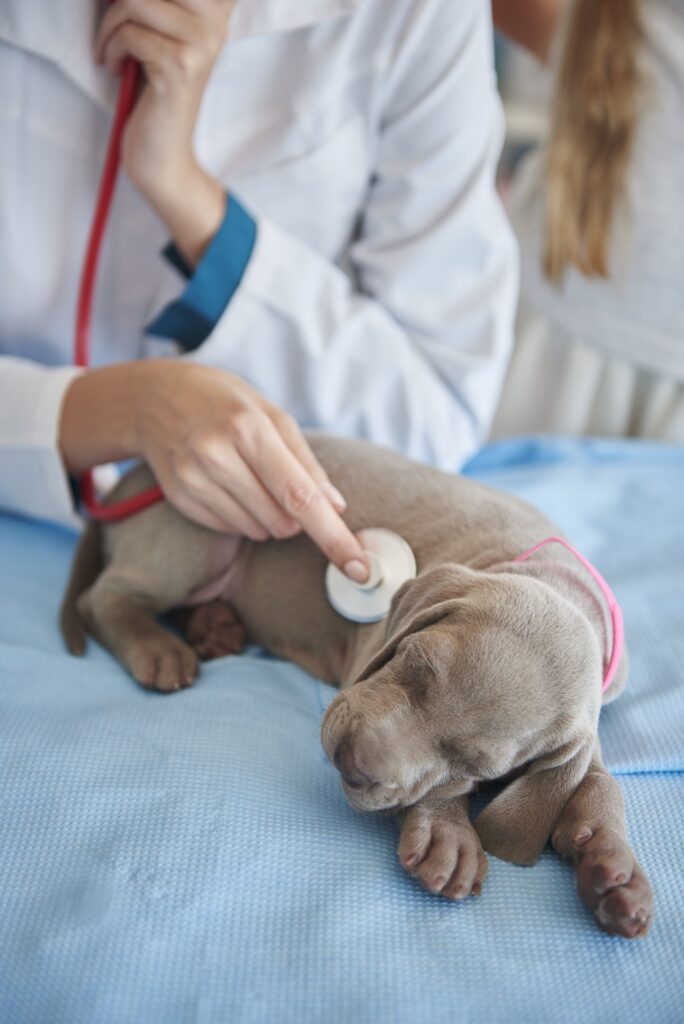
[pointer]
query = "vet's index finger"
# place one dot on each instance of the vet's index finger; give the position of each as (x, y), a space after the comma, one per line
(300, 448)
(302, 499)
(329, 532)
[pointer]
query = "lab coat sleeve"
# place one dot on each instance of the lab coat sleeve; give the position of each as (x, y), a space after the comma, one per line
(33, 480)
(410, 348)
(211, 284)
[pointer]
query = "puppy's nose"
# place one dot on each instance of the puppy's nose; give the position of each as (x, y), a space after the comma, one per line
(348, 767)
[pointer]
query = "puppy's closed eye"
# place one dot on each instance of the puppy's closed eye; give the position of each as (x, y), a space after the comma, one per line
(464, 760)
(482, 760)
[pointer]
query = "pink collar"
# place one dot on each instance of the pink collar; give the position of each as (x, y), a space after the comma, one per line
(614, 608)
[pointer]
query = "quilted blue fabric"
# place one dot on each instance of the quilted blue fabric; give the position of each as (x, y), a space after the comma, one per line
(192, 859)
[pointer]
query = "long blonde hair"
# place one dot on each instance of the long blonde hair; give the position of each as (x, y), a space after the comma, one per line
(594, 118)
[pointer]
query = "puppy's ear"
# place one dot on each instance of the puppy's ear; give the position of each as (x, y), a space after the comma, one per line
(518, 822)
(423, 619)
(419, 604)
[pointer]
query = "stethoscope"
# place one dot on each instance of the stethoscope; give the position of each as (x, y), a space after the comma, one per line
(391, 564)
(130, 77)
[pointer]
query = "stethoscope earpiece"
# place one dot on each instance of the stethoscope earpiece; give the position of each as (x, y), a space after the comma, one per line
(391, 563)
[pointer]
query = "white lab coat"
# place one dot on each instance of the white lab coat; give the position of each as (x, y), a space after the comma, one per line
(363, 137)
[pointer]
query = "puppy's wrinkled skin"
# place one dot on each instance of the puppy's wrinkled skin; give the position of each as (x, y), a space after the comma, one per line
(484, 670)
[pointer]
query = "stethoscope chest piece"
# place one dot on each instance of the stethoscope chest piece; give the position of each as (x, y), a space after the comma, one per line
(392, 563)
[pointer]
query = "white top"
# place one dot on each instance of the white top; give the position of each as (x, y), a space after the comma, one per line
(639, 313)
(361, 134)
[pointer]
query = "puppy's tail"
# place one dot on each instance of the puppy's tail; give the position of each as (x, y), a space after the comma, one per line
(85, 569)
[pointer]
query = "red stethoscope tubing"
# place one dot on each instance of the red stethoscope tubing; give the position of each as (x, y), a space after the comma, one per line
(127, 90)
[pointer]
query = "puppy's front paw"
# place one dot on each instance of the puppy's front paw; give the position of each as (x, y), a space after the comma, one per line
(443, 851)
(611, 883)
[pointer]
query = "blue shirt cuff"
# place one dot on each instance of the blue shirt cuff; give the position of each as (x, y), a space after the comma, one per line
(190, 319)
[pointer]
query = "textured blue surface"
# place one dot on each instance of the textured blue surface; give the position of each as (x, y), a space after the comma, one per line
(191, 859)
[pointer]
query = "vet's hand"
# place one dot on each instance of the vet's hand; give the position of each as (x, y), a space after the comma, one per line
(228, 459)
(176, 42)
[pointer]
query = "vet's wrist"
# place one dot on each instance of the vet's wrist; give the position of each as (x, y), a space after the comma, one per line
(97, 421)
(151, 383)
(192, 204)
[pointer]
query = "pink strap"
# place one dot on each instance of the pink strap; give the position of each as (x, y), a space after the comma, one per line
(615, 610)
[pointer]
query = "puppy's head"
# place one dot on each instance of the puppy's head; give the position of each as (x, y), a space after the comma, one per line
(482, 676)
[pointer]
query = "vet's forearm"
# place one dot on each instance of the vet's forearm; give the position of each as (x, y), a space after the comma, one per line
(530, 23)
(193, 208)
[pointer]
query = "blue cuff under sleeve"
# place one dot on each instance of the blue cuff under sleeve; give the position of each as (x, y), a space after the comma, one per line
(190, 319)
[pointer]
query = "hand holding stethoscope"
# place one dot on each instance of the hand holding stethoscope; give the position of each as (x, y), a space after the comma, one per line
(223, 455)
(176, 43)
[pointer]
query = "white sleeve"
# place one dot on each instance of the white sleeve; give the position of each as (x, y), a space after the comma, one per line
(410, 349)
(33, 480)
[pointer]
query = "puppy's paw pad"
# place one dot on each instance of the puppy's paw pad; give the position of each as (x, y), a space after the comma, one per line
(611, 883)
(220, 645)
(214, 631)
(625, 913)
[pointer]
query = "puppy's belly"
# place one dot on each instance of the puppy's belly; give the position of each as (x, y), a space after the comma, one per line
(228, 564)
(279, 595)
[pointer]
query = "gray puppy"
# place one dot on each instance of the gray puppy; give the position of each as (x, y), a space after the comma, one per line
(485, 670)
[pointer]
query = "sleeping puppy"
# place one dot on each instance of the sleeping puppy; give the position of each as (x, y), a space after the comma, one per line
(485, 670)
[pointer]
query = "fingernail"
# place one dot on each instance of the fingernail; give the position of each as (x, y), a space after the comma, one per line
(356, 570)
(333, 495)
(583, 836)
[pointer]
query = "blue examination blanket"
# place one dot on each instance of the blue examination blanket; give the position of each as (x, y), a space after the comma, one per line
(167, 860)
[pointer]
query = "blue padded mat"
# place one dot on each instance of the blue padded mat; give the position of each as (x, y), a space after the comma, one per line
(192, 859)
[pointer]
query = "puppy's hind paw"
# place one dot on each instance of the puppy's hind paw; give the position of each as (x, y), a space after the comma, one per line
(213, 630)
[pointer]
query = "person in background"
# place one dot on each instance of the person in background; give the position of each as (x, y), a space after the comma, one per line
(339, 259)
(599, 214)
